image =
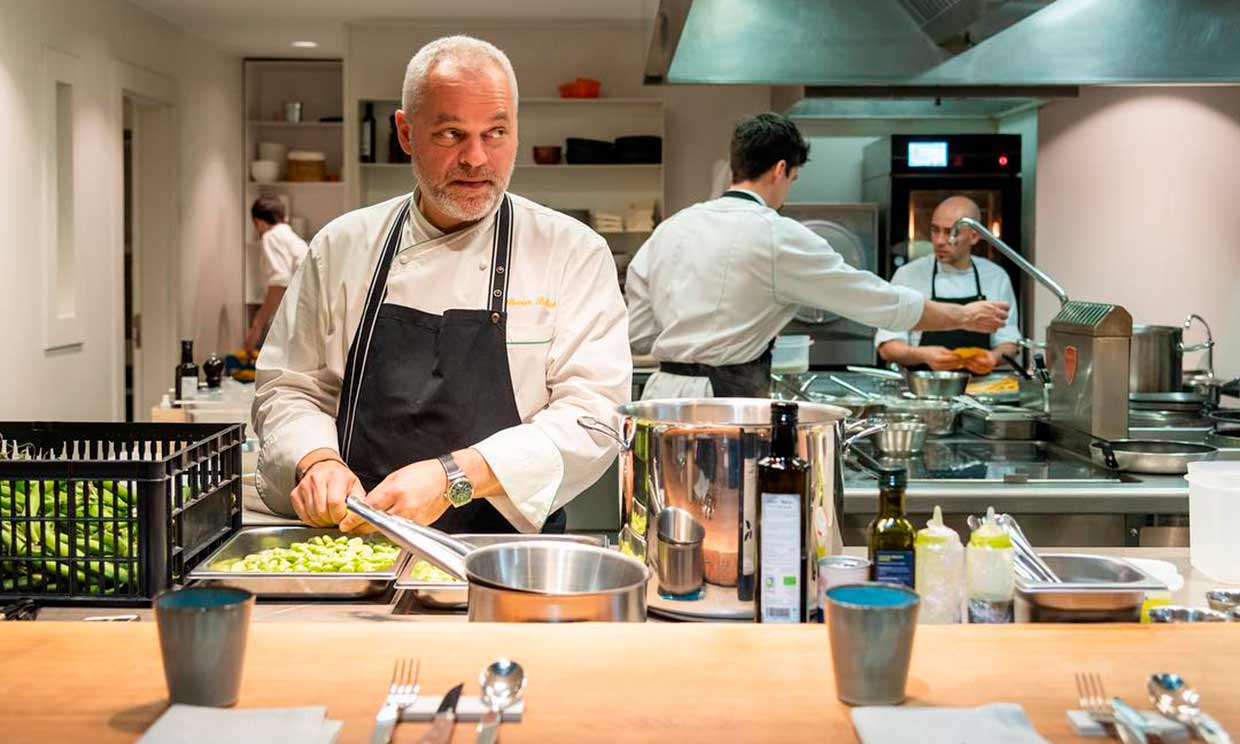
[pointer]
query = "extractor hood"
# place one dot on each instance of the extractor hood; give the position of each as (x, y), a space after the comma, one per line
(787, 42)
(876, 48)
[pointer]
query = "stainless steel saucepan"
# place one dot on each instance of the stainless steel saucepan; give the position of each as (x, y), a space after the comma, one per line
(530, 581)
(1150, 456)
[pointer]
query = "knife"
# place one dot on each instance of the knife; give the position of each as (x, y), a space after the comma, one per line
(445, 718)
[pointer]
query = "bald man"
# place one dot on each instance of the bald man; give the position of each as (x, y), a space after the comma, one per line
(953, 275)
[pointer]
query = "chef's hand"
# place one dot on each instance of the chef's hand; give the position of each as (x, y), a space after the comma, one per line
(984, 316)
(982, 364)
(319, 497)
(415, 492)
(939, 358)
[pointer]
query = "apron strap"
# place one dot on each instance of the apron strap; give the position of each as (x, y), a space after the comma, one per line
(356, 363)
(501, 253)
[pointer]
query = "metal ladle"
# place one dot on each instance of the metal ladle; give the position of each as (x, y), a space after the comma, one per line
(1175, 699)
(503, 682)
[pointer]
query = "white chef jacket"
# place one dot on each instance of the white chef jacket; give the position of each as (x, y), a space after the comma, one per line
(953, 282)
(718, 280)
(283, 252)
(568, 347)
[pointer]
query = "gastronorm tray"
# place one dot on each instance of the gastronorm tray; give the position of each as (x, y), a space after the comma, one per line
(455, 594)
(1001, 423)
(294, 585)
(1093, 588)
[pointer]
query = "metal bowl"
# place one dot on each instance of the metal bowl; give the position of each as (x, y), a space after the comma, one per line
(1175, 614)
(927, 384)
(1223, 599)
(901, 438)
(939, 416)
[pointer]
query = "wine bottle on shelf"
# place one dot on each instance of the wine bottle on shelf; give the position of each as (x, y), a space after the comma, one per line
(783, 526)
(368, 134)
(187, 373)
(891, 537)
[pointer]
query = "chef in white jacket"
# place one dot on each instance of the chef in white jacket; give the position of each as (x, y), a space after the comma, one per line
(434, 351)
(716, 282)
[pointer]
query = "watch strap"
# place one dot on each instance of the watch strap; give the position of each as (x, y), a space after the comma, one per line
(450, 468)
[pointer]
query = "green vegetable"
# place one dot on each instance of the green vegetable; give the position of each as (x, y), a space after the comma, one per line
(427, 571)
(320, 554)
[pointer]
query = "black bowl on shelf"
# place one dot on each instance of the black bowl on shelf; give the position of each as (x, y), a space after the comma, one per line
(643, 149)
(579, 151)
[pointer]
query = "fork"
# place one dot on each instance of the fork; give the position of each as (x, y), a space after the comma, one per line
(402, 691)
(1113, 713)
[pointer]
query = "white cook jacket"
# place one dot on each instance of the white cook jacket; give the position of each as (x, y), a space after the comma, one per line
(953, 282)
(568, 346)
(718, 280)
(283, 252)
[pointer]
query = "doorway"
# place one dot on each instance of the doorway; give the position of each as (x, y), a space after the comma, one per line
(149, 266)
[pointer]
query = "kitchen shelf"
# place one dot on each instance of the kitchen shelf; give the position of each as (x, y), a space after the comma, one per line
(275, 124)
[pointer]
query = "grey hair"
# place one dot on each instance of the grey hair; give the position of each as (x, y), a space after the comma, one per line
(465, 50)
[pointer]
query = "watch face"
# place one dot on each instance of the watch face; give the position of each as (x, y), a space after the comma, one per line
(460, 492)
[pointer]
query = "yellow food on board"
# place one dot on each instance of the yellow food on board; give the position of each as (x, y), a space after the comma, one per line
(994, 387)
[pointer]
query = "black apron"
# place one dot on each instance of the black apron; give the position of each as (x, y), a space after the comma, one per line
(956, 339)
(418, 385)
(744, 380)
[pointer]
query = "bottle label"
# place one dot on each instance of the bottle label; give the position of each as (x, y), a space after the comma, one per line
(189, 388)
(894, 566)
(780, 559)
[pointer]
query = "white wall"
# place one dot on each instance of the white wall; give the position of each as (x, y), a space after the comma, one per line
(84, 382)
(699, 118)
(1138, 203)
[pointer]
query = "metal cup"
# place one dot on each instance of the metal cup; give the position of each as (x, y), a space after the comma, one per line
(202, 633)
(678, 552)
(292, 111)
(872, 627)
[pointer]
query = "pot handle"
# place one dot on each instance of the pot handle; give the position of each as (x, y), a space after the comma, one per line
(439, 548)
(591, 424)
(863, 429)
(1203, 346)
(1108, 453)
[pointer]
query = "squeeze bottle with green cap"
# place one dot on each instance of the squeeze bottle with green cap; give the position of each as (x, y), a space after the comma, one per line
(890, 536)
(940, 572)
(990, 568)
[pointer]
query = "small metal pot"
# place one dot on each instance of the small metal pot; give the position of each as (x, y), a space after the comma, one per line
(534, 581)
(901, 439)
(939, 416)
(942, 385)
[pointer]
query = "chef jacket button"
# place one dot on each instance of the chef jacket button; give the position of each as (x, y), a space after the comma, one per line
(499, 269)
(482, 267)
(497, 293)
(404, 258)
(494, 318)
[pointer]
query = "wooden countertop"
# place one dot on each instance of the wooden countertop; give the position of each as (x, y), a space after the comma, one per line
(594, 682)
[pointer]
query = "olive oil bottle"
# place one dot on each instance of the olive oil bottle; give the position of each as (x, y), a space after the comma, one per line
(891, 537)
(783, 536)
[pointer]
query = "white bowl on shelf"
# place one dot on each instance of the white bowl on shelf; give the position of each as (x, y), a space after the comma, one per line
(265, 171)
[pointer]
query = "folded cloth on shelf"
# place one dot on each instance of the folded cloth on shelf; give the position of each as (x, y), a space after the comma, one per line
(887, 724)
(191, 724)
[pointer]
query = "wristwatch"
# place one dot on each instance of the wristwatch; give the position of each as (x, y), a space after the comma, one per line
(460, 491)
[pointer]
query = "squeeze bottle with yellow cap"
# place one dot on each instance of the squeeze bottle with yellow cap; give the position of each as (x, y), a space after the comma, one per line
(991, 573)
(940, 572)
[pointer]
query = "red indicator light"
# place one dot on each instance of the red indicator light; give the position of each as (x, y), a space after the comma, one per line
(1003, 160)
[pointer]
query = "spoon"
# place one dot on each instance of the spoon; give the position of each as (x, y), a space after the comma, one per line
(1175, 699)
(502, 682)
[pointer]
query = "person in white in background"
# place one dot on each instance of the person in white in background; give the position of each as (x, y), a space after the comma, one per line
(953, 274)
(283, 252)
(716, 282)
(435, 351)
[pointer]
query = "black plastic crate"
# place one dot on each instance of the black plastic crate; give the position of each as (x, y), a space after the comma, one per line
(113, 513)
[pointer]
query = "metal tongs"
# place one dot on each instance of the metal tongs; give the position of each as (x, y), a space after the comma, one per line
(1029, 564)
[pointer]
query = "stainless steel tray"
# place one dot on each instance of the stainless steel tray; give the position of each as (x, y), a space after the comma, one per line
(1001, 424)
(293, 585)
(1091, 586)
(452, 595)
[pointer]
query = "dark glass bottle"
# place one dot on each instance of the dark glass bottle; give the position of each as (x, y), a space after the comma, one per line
(891, 536)
(783, 526)
(213, 371)
(368, 134)
(187, 373)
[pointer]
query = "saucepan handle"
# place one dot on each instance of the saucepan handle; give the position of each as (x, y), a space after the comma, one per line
(589, 423)
(859, 430)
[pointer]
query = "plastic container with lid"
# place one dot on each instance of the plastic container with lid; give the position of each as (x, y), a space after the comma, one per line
(990, 570)
(1214, 519)
(790, 355)
(307, 165)
(940, 572)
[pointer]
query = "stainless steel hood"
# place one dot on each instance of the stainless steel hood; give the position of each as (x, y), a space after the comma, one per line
(787, 42)
(1106, 42)
(877, 48)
